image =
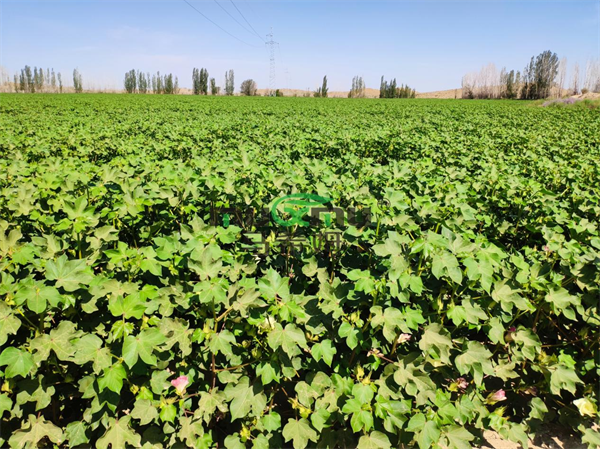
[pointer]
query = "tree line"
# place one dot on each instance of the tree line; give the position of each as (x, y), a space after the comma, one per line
(38, 80)
(142, 83)
(391, 90)
(543, 77)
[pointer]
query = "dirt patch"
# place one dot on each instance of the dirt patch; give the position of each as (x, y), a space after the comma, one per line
(547, 438)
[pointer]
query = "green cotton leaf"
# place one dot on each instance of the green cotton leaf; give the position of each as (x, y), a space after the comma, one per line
(144, 411)
(168, 413)
(119, 435)
(352, 406)
(350, 333)
(142, 345)
(392, 320)
(69, 274)
(18, 362)
(273, 286)
(310, 267)
(75, 433)
(416, 422)
(414, 318)
(538, 409)
(131, 306)
(299, 432)
(35, 391)
(516, 433)
(289, 339)
(528, 342)
(214, 290)
(268, 372)
(496, 330)
(250, 299)
(480, 270)
(6, 404)
(244, 397)
(324, 350)
(233, 442)
(177, 332)
(306, 393)
(206, 262)
(563, 378)
(562, 300)
(446, 264)
(363, 280)
(191, 430)
(415, 381)
(87, 349)
(8, 243)
(58, 341)
(222, 342)
(113, 378)
(428, 435)
(271, 421)
(260, 442)
(458, 437)
(9, 323)
(508, 298)
(209, 402)
(392, 246)
(319, 419)
(457, 314)
(435, 341)
(33, 431)
(361, 420)
(158, 381)
(375, 440)
(474, 312)
(38, 296)
(591, 437)
(476, 361)
(364, 393)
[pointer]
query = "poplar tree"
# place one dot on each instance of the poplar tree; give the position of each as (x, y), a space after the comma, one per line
(77, 81)
(53, 80)
(203, 81)
(195, 81)
(229, 82)
(130, 82)
(214, 90)
(324, 88)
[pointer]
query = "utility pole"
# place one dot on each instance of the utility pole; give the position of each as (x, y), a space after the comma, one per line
(271, 45)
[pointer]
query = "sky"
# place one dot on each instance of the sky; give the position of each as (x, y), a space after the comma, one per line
(428, 45)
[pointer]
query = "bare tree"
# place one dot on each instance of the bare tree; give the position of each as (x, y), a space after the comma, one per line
(248, 88)
(592, 76)
(575, 80)
(561, 77)
(358, 88)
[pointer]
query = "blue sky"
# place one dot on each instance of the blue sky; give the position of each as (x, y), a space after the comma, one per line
(428, 44)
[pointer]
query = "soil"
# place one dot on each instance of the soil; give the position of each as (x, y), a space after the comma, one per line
(548, 438)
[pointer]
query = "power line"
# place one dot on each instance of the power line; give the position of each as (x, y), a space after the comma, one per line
(218, 26)
(236, 20)
(271, 44)
(244, 17)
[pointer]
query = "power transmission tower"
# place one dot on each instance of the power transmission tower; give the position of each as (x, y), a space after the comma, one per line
(271, 45)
